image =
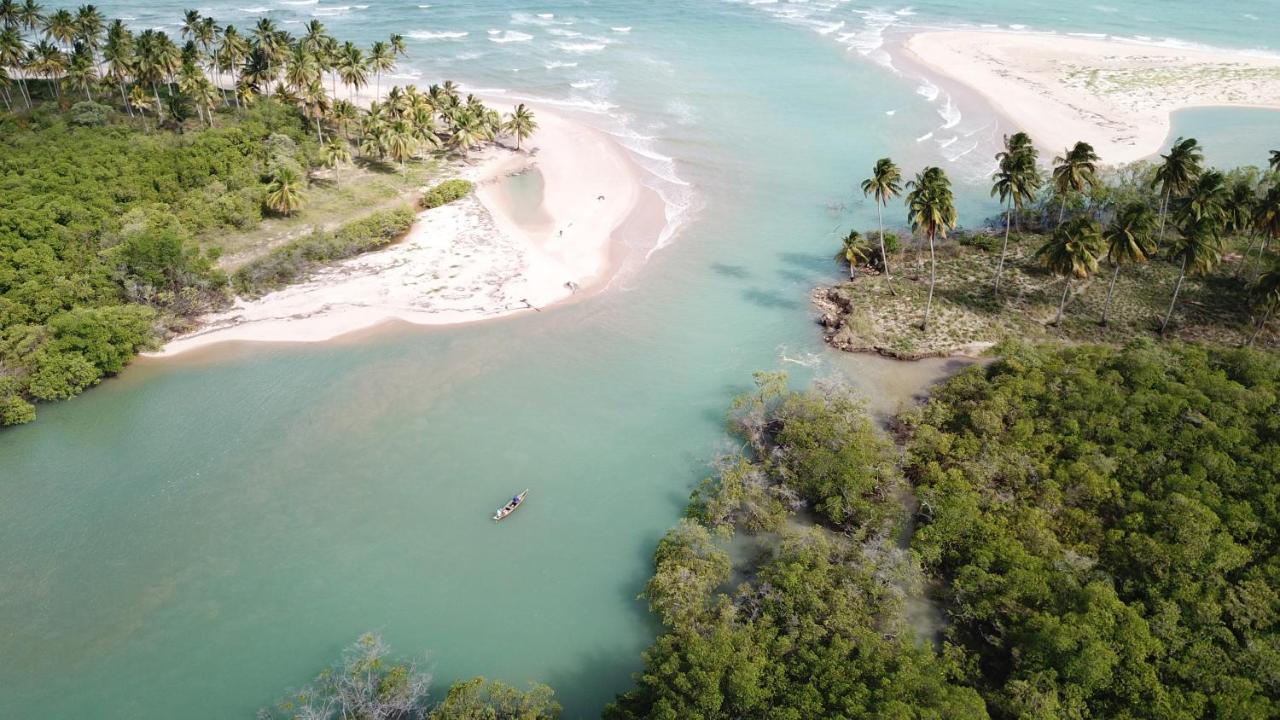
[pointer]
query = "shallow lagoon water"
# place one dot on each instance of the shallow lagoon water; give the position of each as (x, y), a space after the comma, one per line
(198, 535)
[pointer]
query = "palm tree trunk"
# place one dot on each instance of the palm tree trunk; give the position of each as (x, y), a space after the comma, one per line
(1244, 261)
(1008, 221)
(1062, 211)
(933, 268)
(1110, 290)
(155, 91)
(1164, 210)
(124, 99)
(884, 256)
(1176, 288)
(1258, 331)
(1062, 304)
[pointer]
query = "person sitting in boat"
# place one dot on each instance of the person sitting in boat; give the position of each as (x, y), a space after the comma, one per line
(515, 500)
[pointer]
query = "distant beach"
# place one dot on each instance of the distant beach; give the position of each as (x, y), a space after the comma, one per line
(1114, 94)
(473, 259)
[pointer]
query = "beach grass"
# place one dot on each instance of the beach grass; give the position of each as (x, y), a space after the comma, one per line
(865, 315)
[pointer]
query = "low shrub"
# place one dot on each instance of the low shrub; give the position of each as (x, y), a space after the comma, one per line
(289, 262)
(445, 193)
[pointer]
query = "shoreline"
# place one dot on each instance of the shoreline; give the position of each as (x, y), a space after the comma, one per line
(473, 259)
(1115, 94)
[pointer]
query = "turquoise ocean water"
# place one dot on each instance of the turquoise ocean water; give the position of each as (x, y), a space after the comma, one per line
(194, 537)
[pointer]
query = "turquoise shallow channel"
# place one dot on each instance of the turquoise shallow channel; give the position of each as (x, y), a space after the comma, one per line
(198, 535)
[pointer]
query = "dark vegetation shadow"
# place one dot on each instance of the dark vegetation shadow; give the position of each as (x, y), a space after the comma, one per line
(734, 271)
(771, 299)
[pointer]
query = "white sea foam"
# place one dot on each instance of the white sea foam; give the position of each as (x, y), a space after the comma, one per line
(948, 142)
(927, 90)
(254, 10)
(562, 32)
(559, 64)
(950, 115)
(622, 30)
(583, 84)
(508, 36)
(438, 35)
(580, 48)
(890, 113)
(924, 137)
(299, 2)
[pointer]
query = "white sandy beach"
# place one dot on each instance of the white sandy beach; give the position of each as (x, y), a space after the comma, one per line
(1116, 95)
(469, 260)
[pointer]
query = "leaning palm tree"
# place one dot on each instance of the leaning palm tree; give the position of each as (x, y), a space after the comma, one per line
(1175, 175)
(884, 184)
(1074, 170)
(12, 50)
(285, 191)
(1265, 294)
(1128, 241)
(854, 252)
(1016, 181)
(335, 154)
(89, 28)
(520, 124)
(80, 71)
(381, 59)
(931, 208)
(1206, 199)
(316, 102)
(1198, 249)
(1072, 252)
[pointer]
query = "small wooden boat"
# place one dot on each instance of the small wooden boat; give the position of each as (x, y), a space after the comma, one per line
(510, 507)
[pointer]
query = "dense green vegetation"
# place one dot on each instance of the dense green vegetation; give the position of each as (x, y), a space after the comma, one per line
(1103, 527)
(99, 238)
(114, 193)
(445, 193)
(297, 258)
(368, 683)
(817, 627)
(1201, 227)
(1097, 526)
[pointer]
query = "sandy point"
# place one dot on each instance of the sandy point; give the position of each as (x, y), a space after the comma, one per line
(479, 258)
(1115, 94)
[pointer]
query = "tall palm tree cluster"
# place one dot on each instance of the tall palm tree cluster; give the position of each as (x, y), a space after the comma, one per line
(1190, 210)
(220, 65)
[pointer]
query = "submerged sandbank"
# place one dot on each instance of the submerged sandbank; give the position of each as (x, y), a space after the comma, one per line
(474, 259)
(1116, 95)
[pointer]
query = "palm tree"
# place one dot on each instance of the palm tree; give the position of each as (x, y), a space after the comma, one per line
(1198, 249)
(12, 51)
(138, 100)
(396, 41)
(31, 15)
(1016, 182)
(1274, 163)
(884, 184)
(855, 251)
(336, 153)
(1072, 252)
(5, 82)
(1206, 199)
(352, 68)
(89, 26)
(80, 70)
(467, 131)
(1175, 175)
(118, 53)
(60, 27)
(520, 123)
(285, 191)
(205, 96)
(1073, 171)
(267, 39)
(343, 114)
(931, 208)
(1240, 202)
(1266, 218)
(400, 143)
(49, 62)
(1266, 296)
(301, 69)
(233, 50)
(9, 13)
(381, 59)
(1128, 240)
(316, 101)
